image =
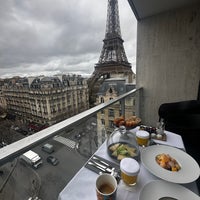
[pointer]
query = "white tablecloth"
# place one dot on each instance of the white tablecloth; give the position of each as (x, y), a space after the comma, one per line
(82, 186)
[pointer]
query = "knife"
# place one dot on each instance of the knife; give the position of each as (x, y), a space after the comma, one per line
(96, 166)
(103, 162)
(157, 143)
(102, 167)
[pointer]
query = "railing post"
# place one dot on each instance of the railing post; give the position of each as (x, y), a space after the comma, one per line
(122, 102)
(138, 104)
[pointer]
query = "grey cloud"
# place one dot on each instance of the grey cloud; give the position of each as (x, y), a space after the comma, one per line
(52, 35)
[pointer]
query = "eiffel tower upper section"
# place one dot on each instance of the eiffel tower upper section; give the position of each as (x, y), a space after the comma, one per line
(113, 49)
(113, 61)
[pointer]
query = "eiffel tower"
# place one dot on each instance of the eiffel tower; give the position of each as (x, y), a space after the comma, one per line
(113, 61)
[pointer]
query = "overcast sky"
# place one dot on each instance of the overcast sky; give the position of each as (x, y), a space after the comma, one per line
(63, 36)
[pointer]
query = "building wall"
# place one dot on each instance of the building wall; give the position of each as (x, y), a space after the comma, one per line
(47, 105)
(168, 59)
(2, 101)
(111, 89)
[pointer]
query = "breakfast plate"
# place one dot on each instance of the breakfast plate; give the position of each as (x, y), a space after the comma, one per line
(157, 190)
(189, 169)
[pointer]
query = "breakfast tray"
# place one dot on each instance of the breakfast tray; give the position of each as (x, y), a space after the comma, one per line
(163, 138)
(153, 133)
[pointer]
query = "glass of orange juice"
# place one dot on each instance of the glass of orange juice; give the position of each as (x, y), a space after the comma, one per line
(142, 137)
(129, 171)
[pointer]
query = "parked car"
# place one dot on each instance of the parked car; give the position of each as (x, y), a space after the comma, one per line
(3, 144)
(48, 148)
(52, 160)
(78, 136)
(22, 131)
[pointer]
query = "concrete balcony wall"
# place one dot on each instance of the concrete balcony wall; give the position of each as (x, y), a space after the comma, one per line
(168, 59)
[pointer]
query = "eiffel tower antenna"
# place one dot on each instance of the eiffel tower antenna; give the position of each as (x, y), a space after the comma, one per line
(113, 61)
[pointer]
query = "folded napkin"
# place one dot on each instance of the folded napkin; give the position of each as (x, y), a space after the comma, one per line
(173, 140)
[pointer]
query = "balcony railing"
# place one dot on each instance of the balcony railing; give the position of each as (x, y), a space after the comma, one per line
(74, 139)
(17, 148)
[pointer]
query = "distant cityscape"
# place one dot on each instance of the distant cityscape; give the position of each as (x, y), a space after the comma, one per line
(30, 104)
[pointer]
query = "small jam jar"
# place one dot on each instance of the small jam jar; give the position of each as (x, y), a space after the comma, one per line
(129, 171)
(142, 137)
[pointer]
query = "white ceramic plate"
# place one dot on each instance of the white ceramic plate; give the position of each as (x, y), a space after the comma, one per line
(158, 189)
(189, 171)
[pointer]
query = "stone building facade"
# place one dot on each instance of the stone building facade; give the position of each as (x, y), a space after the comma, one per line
(110, 89)
(46, 100)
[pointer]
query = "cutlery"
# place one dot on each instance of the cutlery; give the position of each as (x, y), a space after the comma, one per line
(105, 169)
(96, 166)
(155, 143)
(102, 167)
(98, 159)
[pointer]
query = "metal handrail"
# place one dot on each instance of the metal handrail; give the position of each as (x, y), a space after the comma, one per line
(17, 148)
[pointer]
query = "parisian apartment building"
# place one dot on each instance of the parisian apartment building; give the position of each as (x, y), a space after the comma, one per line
(111, 89)
(44, 100)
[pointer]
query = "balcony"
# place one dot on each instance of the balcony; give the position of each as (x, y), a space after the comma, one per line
(74, 141)
(167, 70)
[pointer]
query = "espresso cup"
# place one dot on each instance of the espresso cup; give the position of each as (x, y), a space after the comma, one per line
(130, 169)
(106, 187)
(142, 137)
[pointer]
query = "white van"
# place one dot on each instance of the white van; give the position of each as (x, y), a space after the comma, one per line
(48, 148)
(32, 158)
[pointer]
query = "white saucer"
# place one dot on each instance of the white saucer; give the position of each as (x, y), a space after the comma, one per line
(155, 190)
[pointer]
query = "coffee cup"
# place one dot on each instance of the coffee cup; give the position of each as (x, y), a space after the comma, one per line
(142, 137)
(106, 187)
(130, 169)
